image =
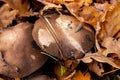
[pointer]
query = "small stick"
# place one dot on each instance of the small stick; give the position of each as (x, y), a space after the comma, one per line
(110, 72)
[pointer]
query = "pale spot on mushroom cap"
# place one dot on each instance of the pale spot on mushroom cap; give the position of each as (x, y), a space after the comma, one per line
(45, 38)
(33, 57)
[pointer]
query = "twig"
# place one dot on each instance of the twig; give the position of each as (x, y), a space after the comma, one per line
(110, 72)
(71, 75)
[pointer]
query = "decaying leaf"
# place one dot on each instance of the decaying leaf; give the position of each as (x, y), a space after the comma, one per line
(100, 58)
(90, 15)
(7, 15)
(103, 9)
(112, 46)
(96, 67)
(72, 5)
(59, 1)
(67, 35)
(111, 27)
(80, 76)
(49, 6)
(22, 6)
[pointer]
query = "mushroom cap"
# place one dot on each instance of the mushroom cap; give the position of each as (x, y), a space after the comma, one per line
(18, 56)
(63, 36)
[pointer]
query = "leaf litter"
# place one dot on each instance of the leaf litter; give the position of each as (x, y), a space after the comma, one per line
(103, 16)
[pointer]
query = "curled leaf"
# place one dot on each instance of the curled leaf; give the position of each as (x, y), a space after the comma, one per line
(100, 58)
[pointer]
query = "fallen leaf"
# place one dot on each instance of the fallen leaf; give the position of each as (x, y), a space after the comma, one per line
(59, 1)
(112, 46)
(21, 5)
(7, 15)
(88, 2)
(96, 67)
(75, 7)
(63, 70)
(80, 76)
(48, 6)
(100, 58)
(90, 15)
(111, 26)
(103, 9)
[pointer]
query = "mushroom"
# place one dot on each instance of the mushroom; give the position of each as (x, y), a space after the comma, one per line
(63, 36)
(18, 55)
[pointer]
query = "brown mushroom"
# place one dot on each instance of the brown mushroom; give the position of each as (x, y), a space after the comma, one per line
(39, 77)
(18, 57)
(63, 36)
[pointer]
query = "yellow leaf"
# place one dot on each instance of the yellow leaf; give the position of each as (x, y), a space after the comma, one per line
(63, 70)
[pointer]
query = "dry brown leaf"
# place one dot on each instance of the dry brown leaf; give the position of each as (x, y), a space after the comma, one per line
(7, 16)
(111, 27)
(87, 2)
(90, 15)
(103, 9)
(49, 5)
(21, 5)
(80, 76)
(112, 46)
(100, 58)
(82, 2)
(74, 7)
(59, 1)
(96, 67)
